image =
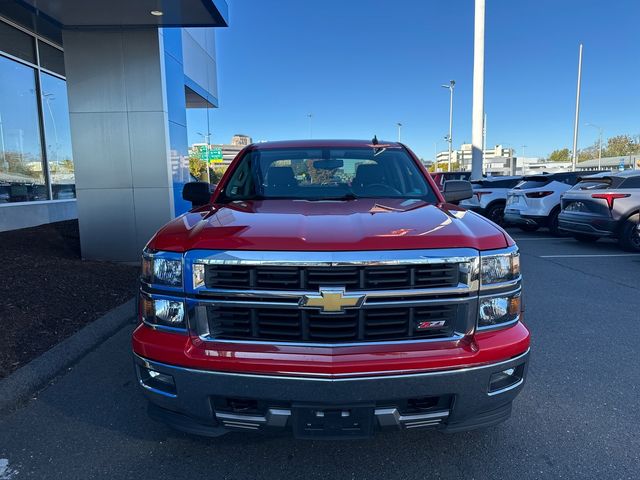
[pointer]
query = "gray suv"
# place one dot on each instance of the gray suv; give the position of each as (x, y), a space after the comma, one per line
(604, 205)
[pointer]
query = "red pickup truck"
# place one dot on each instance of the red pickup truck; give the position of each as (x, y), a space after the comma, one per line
(328, 288)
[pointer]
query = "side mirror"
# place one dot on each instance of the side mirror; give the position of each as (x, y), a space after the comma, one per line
(198, 193)
(456, 190)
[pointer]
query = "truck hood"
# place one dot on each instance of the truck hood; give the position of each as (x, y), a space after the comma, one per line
(361, 224)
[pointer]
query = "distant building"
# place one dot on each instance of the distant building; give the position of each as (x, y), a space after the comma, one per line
(229, 150)
(628, 162)
(462, 157)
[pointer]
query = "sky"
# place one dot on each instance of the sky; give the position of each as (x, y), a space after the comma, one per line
(361, 66)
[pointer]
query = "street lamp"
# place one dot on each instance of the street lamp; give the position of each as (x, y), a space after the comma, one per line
(399, 130)
(451, 85)
(599, 143)
(205, 137)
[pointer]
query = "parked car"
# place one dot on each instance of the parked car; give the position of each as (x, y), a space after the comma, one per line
(490, 197)
(535, 201)
(604, 205)
(329, 309)
(441, 177)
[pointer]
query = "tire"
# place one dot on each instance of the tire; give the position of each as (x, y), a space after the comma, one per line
(495, 213)
(553, 224)
(585, 238)
(629, 235)
(528, 228)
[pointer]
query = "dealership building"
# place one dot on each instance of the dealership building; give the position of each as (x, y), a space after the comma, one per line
(93, 113)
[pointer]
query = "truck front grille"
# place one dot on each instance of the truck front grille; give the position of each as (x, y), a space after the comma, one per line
(300, 325)
(333, 298)
(377, 277)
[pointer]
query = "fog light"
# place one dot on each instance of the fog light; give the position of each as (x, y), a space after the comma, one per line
(157, 382)
(506, 379)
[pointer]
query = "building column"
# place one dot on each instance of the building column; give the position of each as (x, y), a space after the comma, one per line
(121, 138)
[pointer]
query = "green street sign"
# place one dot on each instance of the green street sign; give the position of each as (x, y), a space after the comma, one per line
(209, 154)
(215, 155)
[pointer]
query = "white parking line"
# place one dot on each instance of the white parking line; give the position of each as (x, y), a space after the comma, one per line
(593, 256)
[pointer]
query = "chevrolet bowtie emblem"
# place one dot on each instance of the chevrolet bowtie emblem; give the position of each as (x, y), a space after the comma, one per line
(332, 300)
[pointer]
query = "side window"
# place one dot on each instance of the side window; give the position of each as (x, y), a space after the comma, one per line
(631, 182)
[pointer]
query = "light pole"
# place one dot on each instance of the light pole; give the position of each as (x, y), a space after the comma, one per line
(577, 119)
(206, 137)
(451, 85)
(599, 143)
(399, 125)
(477, 113)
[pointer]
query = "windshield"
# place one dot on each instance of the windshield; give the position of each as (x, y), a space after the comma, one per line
(328, 173)
(535, 183)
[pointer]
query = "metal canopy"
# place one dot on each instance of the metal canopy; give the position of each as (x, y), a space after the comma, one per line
(132, 13)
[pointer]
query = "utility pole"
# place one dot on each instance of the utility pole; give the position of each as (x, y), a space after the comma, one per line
(478, 91)
(452, 84)
(577, 119)
(310, 117)
(599, 143)
(207, 139)
(484, 139)
(399, 131)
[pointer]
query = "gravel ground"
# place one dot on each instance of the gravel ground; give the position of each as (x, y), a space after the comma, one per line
(48, 292)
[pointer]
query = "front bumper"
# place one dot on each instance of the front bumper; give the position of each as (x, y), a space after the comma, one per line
(452, 400)
(595, 225)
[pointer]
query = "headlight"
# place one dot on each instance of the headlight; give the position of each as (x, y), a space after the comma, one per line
(499, 310)
(167, 272)
(501, 267)
(164, 312)
(158, 269)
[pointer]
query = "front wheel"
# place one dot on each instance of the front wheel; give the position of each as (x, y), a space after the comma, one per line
(495, 213)
(528, 228)
(629, 235)
(585, 238)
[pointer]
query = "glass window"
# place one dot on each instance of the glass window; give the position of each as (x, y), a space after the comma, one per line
(533, 182)
(57, 134)
(340, 173)
(17, 43)
(631, 182)
(21, 166)
(51, 58)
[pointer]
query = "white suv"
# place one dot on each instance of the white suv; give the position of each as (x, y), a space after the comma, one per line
(490, 196)
(535, 201)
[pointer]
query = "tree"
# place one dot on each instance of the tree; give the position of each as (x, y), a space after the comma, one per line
(198, 168)
(622, 145)
(588, 153)
(561, 155)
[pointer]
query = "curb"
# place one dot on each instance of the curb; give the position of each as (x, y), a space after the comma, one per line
(38, 372)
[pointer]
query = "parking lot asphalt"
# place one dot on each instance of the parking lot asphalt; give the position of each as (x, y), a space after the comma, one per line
(578, 416)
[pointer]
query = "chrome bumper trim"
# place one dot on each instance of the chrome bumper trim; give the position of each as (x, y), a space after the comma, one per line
(340, 377)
